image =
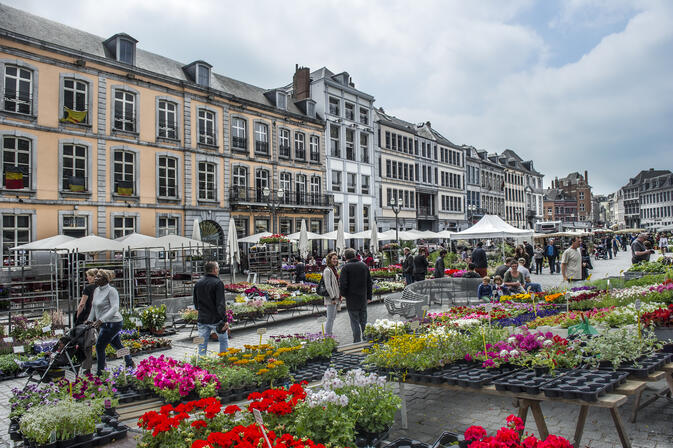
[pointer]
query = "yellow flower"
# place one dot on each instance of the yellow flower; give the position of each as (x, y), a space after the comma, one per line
(262, 371)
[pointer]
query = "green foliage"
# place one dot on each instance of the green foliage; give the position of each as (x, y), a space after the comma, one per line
(154, 317)
(61, 421)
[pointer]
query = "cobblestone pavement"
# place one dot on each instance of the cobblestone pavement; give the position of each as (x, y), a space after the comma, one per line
(432, 410)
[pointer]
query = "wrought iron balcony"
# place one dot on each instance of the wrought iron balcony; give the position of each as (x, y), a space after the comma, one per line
(255, 197)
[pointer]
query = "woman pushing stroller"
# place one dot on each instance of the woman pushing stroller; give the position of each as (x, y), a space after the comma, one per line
(106, 317)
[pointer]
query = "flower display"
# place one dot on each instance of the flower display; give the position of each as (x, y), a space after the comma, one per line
(276, 238)
(172, 379)
(510, 436)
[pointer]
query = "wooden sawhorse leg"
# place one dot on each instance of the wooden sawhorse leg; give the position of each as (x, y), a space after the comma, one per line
(619, 425)
(579, 428)
(534, 406)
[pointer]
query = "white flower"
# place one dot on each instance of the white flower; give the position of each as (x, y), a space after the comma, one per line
(511, 340)
(504, 353)
(547, 343)
(514, 353)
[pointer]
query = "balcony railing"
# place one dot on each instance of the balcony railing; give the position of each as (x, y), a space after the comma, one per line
(239, 143)
(239, 195)
(423, 210)
(283, 150)
(262, 147)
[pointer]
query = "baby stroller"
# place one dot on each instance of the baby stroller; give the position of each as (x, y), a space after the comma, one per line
(78, 341)
(601, 253)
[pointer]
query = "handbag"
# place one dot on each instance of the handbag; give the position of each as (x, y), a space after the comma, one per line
(321, 290)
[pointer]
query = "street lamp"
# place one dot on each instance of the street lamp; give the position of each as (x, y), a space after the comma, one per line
(396, 206)
(273, 203)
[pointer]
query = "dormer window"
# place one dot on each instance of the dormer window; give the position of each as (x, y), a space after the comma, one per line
(281, 100)
(310, 108)
(198, 72)
(122, 48)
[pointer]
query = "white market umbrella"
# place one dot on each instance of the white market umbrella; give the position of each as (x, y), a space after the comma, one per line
(254, 238)
(374, 238)
(303, 240)
(196, 230)
(340, 244)
(137, 241)
(388, 235)
(50, 243)
(92, 243)
(233, 253)
(333, 235)
(311, 236)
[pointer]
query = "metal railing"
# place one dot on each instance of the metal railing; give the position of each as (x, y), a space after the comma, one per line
(238, 195)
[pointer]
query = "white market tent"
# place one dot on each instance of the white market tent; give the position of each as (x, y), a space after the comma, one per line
(90, 244)
(492, 226)
(50, 243)
(138, 241)
(172, 241)
(311, 236)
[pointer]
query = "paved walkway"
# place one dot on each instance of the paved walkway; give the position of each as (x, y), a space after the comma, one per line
(432, 411)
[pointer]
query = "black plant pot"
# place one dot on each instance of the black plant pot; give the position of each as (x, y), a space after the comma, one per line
(67, 443)
(83, 438)
(539, 371)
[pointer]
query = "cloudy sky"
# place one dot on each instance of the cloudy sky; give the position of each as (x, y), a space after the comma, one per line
(573, 85)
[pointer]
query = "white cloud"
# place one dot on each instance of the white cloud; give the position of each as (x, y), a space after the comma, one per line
(468, 67)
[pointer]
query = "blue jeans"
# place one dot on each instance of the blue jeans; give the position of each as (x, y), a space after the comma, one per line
(331, 316)
(534, 287)
(409, 278)
(109, 334)
(358, 323)
(205, 331)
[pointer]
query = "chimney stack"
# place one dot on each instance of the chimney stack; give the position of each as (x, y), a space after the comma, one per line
(586, 177)
(301, 83)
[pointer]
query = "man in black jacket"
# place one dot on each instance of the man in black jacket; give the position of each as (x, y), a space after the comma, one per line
(551, 252)
(480, 260)
(439, 264)
(355, 284)
(210, 303)
(408, 266)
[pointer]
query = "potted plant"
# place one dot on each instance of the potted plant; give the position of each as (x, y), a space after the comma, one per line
(153, 318)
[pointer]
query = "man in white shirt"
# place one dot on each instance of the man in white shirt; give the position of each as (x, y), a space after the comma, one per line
(571, 262)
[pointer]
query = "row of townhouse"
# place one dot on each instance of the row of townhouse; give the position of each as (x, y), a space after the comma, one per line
(646, 201)
(99, 136)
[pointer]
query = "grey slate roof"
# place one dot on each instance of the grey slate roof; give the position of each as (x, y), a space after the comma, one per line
(35, 27)
(556, 194)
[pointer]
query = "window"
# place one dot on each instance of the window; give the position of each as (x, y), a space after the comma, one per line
(284, 143)
(336, 180)
(16, 163)
(314, 146)
(364, 116)
(239, 182)
(239, 141)
(124, 111)
(74, 101)
(168, 225)
(334, 140)
(15, 231)
(299, 146)
(285, 183)
(74, 167)
(18, 90)
(351, 182)
(285, 226)
(352, 218)
(124, 172)
(365, 184)
(202, 75)
(350, 144)
(334, 106)
(300, 188)
(581, 193)
(364, 147)
(123, 225)
(365, 217)
(315, 189)
(315, 226)
(387, 140)
(337, 212)
(241, 223)
(261, 182)
(168, 177)
(74, 225)
(126, 51)
(207, 190)
(281, 100)
(206, 127)
(261, 225)
(168, 120)
(261, 138)
(349, 110)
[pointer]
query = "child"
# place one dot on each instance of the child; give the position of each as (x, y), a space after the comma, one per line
(499, 289)
(485, 291)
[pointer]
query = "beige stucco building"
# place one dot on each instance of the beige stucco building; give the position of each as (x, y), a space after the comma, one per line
(99, 136)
